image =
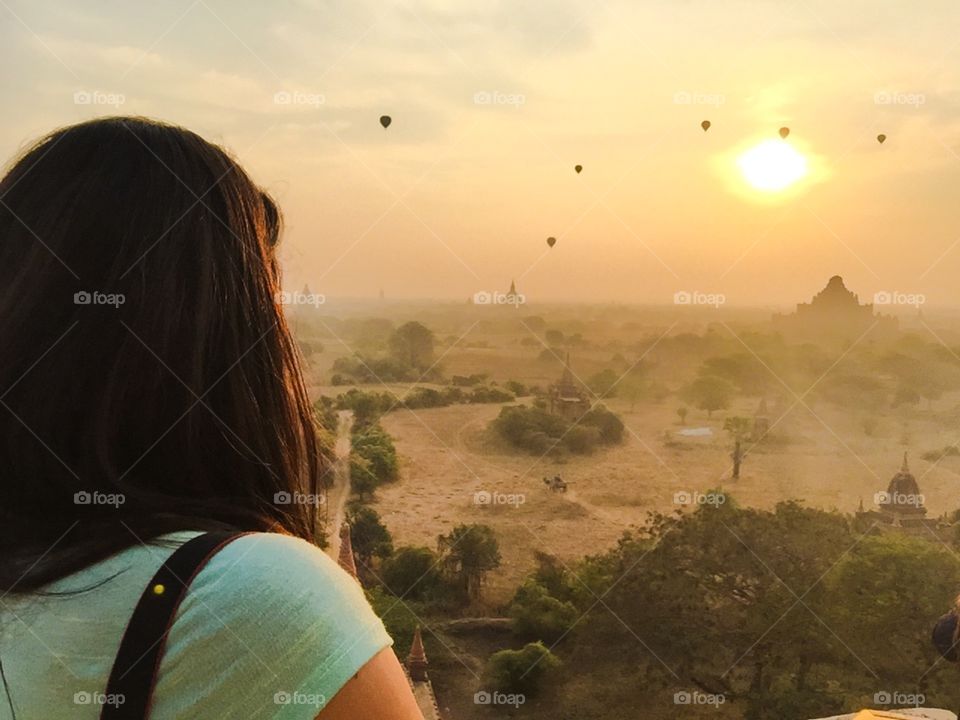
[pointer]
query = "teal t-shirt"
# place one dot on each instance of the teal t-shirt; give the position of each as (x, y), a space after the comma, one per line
(270, 628)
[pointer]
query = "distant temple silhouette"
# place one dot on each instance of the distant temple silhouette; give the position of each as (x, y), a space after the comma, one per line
(835, 313)
(566, 397)
(901, 508)
(416, 664)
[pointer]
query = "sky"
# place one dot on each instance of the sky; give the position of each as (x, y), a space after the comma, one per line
(494, 103)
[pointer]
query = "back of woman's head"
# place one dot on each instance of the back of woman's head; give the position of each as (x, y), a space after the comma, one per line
(148, 381)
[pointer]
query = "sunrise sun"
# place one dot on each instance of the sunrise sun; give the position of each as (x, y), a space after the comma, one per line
(772, 166)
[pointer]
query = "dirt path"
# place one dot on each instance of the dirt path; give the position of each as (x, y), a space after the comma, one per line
(340, 491)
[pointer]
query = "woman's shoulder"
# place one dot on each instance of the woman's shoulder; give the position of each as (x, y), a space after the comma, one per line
(260, 572)
(270, 621)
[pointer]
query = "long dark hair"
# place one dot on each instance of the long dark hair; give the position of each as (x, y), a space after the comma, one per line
(148, 381)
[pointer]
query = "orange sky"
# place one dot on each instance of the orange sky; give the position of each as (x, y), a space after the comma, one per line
(494, 103)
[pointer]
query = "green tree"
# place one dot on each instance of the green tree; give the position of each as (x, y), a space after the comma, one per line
(604, 384)
(412, 572)
(537, 614)
(469, 553)
(519, 671)
(710, 393)
(362, 480)
(368, 534)
(412, 343)
(738, 428)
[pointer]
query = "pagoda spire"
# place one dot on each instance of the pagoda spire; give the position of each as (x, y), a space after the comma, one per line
(904, 468)
(417, 659)
(345, 558)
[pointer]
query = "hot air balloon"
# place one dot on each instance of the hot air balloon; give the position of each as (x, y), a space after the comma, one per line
(551, 241)
(784, 131)
(578, 168)
(880, 138)
(705, 125)
(385, 120)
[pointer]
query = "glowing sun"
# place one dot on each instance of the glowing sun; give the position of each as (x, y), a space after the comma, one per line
(771, 166)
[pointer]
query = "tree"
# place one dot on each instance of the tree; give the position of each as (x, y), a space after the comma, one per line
(682, 414)
(369, 536)
(519, 671)
(362, 480)
(537, 614)
(469, 552)
(375, 446)
(604, 383)
(412, 344)
(412, 573)
(710, 393)
(738, 428)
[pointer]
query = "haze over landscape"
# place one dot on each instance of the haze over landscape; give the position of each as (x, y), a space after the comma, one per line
(494, 105)
(630, 330)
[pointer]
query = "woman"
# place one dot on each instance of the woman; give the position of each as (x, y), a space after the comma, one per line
(150, 393)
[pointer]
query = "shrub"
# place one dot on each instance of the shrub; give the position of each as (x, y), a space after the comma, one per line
(519, 671)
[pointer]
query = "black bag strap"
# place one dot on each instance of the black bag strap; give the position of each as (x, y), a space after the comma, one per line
(134, 674)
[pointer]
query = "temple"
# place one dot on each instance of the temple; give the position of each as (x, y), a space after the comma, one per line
(836, 314)
(901, 508)
(566, 397)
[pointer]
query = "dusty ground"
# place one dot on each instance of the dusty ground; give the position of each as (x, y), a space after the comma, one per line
(825, 459)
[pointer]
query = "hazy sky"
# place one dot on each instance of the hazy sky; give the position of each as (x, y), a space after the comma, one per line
(494, 103)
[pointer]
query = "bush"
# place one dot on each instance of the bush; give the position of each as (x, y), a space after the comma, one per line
(538, 614)
(519, 671)
(412, 573)
(374, 446)
(537, 431)
(607, 424)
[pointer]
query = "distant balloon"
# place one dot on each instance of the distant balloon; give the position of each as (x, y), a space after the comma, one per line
(385, 120)
(551, 241)
(705, 125)
(880, 138)
(784, 131)
(578, 168)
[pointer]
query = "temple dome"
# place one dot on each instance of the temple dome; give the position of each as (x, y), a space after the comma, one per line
(903, 493)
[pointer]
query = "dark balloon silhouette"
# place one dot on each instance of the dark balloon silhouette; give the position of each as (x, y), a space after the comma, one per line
(880, 138)
(551, 241)
(385, 120)
(578, 168)
(784, 131)
(705, 125)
